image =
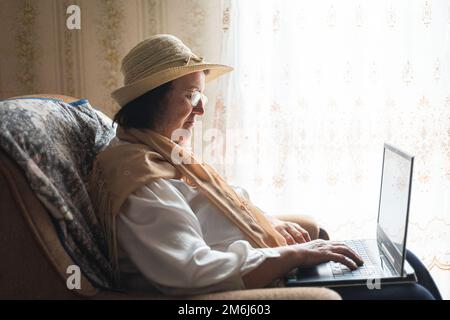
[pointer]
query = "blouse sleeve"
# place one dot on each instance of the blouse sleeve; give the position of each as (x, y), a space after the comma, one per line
(161, 235)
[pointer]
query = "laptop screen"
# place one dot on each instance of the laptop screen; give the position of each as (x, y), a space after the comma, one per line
(394, 204)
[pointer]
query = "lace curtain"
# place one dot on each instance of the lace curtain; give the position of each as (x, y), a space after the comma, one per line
(318, 87)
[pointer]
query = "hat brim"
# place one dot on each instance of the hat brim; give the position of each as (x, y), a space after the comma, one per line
(130, 92)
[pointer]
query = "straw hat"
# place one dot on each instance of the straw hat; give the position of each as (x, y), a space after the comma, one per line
(157, 60)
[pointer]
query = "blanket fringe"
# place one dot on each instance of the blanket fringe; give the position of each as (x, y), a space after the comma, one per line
(103, 207)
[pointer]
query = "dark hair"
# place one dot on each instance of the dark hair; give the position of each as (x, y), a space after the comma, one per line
(143, 112)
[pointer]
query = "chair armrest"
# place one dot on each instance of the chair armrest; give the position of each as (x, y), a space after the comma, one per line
(249, 294)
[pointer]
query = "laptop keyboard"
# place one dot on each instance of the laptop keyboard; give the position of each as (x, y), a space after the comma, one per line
(369, 268)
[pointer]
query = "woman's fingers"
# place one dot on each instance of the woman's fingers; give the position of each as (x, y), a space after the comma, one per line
(349, 253)
(338, 252)
(287, 236)
(297, 235)
(291, 234)
(304, 233)
(337, 243)
(336, 257)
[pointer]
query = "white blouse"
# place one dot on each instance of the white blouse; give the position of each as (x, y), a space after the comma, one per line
(173, 239)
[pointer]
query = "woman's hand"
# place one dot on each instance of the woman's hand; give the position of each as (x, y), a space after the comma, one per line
(301, 255)
(292, 232)
(320, 251)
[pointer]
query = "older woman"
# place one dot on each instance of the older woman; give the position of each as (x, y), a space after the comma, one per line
(172, 222)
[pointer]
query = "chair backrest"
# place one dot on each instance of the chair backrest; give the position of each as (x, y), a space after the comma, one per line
(53, 145)
(34, 263)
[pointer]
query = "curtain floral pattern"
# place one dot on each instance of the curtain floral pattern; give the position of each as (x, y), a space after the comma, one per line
(319, 86)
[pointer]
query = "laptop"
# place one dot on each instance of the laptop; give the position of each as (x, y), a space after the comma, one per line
(384, 257)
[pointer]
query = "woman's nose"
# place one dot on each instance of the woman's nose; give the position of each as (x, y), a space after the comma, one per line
(199, 108)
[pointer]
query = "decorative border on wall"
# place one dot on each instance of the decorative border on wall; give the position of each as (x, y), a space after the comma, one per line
(151, 15)
(69, 82)
(68, 55)
(193, 22)
(26, 47)
(226, 18)
(152, 20)
(110, 36)
(65, 40)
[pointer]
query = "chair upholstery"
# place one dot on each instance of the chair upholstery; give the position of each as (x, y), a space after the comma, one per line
(34, 262)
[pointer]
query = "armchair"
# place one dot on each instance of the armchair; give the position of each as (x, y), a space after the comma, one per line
(34, 262)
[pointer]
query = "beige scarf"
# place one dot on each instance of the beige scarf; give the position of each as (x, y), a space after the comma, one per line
(120, 170)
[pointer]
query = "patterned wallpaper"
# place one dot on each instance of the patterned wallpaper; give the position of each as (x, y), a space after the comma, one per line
(39, 54)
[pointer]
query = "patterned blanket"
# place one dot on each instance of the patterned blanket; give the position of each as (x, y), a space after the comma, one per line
(55, 144)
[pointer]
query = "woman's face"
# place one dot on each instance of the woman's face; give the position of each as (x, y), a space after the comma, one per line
(179, 112)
